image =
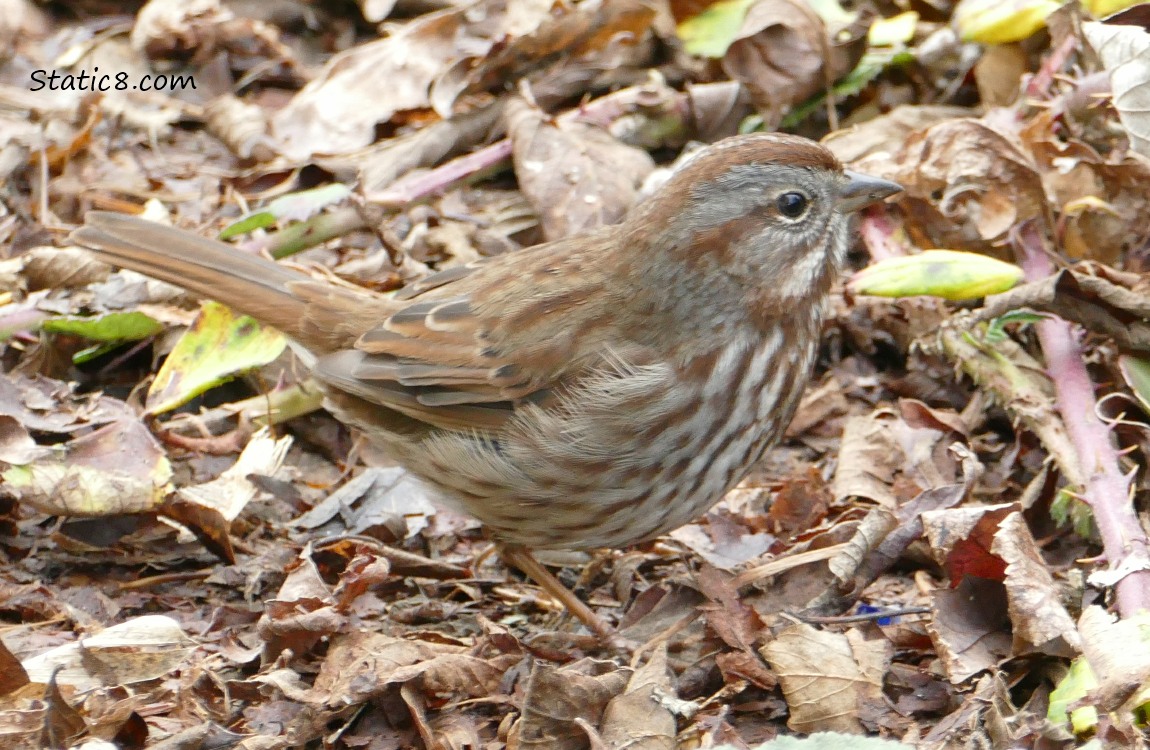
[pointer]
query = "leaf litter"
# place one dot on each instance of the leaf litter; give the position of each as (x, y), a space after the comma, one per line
(946, 550)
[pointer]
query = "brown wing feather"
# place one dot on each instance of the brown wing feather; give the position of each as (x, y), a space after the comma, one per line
(451, 358)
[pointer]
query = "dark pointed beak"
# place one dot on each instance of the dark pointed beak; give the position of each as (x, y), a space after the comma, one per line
(861, 190)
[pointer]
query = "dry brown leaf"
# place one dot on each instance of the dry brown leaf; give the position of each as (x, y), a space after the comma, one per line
(970, 628)
(828, 679)
(361, 664)
(883, 136)
(339, 110)
(967, 184)
(569, 31)
(732, 620)
(1094, 302)
(140, 649)
(556, 697)
(118, 468)
(784, 54)
(998, 73)
(868, 458)
(639, 719)
(1039, 619)
(1125, 53)
(302, 611)
(166, 28)
(576, 175)
(1101, 200)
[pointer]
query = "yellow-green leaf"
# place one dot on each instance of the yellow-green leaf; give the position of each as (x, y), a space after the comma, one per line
(1103, 8)
(888, 32)
(949, 274)
(1001, 21)
(218, 346)
(1074, 687)
(711, 32)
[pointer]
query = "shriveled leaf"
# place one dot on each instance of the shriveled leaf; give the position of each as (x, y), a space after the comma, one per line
(60, 268)
(16, 444)
(639, 719)
(45, 405)
(782, 55)
(1125, 53)
(218, 346)
(949, 274)
(557, 696)
(138, 650)
(116, 469)
(231, 491)
(887, 133)
(970, 639)
(967, 184)
(568, 30)
(360, 666)
(1039, 619)
(825, 741)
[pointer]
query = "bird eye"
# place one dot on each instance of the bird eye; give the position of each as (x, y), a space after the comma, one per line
(792, 205)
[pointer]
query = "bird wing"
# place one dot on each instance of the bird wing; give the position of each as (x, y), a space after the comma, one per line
(470, 344)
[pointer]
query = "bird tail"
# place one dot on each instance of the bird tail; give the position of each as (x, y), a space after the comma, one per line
(269, 292)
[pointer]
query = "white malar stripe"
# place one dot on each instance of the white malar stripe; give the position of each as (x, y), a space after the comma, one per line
(801, 276)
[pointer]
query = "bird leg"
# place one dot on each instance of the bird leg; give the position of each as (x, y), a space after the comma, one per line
(521, 557)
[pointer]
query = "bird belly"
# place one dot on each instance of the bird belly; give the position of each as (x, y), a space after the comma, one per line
(592, 473)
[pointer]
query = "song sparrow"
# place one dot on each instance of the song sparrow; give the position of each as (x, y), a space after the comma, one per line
(591, 392)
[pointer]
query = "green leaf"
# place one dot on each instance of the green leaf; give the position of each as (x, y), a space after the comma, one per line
(1066, 508)
(249, 223)
(291, 207)
(996, 330)
(1136, 372)
(110, 327)
(218, 346)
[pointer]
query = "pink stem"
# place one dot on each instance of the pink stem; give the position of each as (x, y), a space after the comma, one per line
(878, 234)
(1107, 490)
